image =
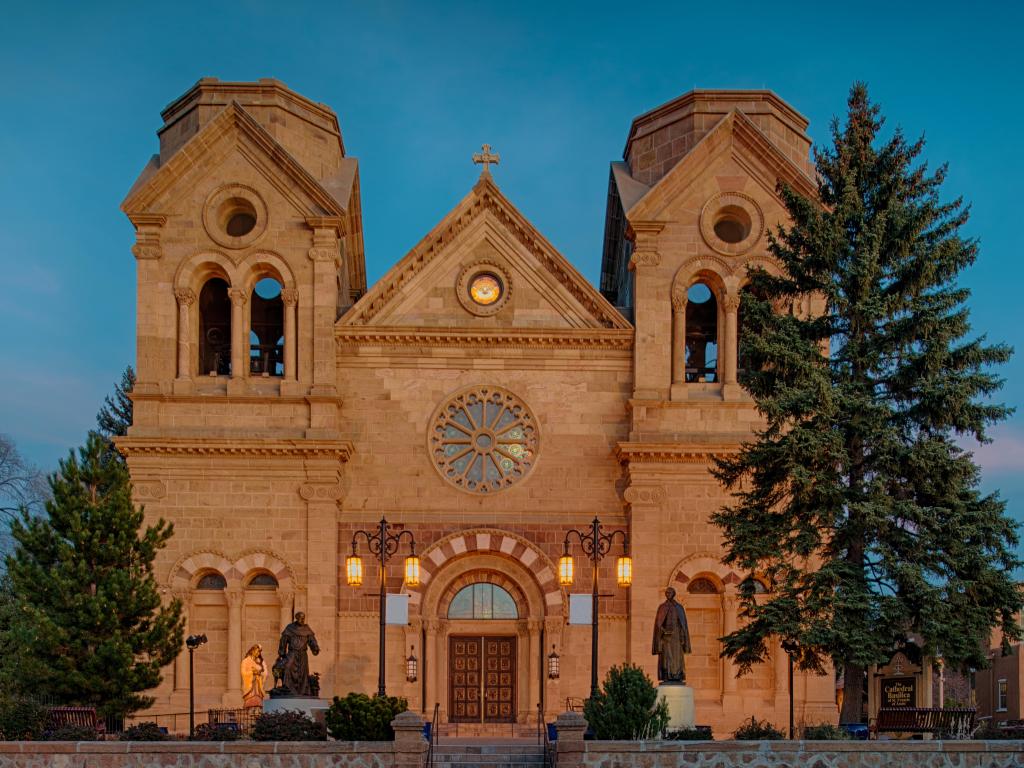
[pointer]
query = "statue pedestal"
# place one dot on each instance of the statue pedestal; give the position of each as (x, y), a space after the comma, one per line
(681, 710)
(311, 706)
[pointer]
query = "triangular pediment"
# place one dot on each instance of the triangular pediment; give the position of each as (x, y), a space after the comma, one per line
(424, 290)
(735, 137)
(234, 132)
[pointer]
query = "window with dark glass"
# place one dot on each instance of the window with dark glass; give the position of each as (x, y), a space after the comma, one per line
(212, 581)
(215, 328)
(483, 601)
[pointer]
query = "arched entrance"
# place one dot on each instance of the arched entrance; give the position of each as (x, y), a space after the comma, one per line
(486, 615)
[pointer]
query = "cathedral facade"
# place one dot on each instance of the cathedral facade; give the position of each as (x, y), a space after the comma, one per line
(483, 397)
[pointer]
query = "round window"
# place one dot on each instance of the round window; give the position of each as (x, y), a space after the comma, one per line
(235, 216)
(731, 223)
(485, 289)
(483, 440)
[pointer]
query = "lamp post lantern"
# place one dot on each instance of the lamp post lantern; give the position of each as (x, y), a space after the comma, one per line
(595, 545)
(382, 545)
(192, 642)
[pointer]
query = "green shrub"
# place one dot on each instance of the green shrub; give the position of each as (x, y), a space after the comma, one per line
(357, 717)
(757, 730)
(697, 733)
(626, 707)
(216, 732)
(287, 726)
(21, 719)
(146, 731)
(70, 733)
(825, 732)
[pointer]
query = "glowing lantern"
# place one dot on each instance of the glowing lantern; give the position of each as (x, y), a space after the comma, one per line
(565, 570)
(624, 571)
(354, 570)
(412, 571)
(553, 664)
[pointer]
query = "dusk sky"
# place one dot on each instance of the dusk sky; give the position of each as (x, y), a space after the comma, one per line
(418, 87)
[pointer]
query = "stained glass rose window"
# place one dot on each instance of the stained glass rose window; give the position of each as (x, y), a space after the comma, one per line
(483, 439)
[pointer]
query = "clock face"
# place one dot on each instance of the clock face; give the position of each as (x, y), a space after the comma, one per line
(485, 289)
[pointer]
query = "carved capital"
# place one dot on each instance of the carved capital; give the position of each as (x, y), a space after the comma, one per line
(645, 239)
(731, 302)
(147, 235)
(290, 296)
(234, 597)
(649, 495)
(679, 300)
(185, 296)
(321, 491)
(181, 595)
(534, 625)
(238, 297)
(431, 626)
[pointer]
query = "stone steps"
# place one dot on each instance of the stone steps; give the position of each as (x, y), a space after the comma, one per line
(488, 756)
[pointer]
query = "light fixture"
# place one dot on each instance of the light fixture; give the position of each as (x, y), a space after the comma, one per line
(194, 641)
(354, 570)
(565, 568)
(411, 665)
(624, 571)
(554, 663)
(412, 570)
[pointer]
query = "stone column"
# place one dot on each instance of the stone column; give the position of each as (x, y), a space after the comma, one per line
(524, 702)
(186, 298)
(651, 366)
(290, 297)
(678, 338)
(410, 746)
(429, 661)
(441, 668)
(536, 668)
(181, 661)
(730, 604)
(239, 343)
(731, 305)
(235, 598)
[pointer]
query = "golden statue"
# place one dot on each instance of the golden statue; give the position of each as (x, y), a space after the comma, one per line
(254, 675)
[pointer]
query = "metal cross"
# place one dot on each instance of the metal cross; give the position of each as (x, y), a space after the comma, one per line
(485, 158)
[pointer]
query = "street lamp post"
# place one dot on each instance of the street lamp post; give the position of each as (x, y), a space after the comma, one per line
(595, 545)
(790, 646)
(382, 545)
(192, 642)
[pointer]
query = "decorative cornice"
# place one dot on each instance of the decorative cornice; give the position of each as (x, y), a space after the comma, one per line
(586, 338)
(671, 453)
(185, 446)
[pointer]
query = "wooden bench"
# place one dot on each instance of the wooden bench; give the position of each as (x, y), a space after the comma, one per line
(938, 722)
(74, 717)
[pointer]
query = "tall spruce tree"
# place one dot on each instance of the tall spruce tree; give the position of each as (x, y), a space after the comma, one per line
(855, 501)
(115, 415)
(89, 627)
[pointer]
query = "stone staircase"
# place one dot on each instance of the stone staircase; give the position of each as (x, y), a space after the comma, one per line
(518, 754)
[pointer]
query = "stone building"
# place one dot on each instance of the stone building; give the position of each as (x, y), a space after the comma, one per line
(482, 395)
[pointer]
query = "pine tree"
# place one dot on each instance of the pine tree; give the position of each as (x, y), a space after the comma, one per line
(89, 627)
(855, 501)
(115, 415)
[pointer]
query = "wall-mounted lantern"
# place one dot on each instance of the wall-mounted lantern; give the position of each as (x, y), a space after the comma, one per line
(554, 664)
(411, 665)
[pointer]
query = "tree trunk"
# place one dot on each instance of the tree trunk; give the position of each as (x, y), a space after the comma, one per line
(853, 694)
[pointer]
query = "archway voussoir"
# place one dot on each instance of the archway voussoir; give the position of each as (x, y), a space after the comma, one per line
(483, 541)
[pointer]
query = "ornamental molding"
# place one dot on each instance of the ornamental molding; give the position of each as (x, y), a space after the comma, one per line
(644, 259)
(321, 491)
(652, 495)
(725, 200)
(671, 453)
(612, 339)
(731, 302)
(486, 199)
(472, 270)
(184, 446)
(290, 296)
(185, 296)
(147, 235)
(212, 215)
(149, 489)
(239, 297)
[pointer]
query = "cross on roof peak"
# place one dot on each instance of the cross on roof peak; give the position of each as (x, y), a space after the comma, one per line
(485, 159)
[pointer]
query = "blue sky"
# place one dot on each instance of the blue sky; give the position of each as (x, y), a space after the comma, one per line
(418, 87)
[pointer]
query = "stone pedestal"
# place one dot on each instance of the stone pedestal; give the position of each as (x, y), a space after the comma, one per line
(681, 711)
(308, 705)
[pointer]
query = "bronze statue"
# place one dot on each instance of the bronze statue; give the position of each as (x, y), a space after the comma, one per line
(254, 676)
(671, 640)
(292, 661)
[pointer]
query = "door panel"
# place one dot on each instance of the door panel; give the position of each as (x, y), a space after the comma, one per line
(499, 679)
(481, 679)
(464, 655)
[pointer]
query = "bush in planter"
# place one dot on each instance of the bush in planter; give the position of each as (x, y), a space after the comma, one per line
(146, 731)
(697, 733)
(358, 717)
(21, 719)
(757, 730)
(216, 732)
(287, 726)
(70, 733)
(825, 732)
(626, 707)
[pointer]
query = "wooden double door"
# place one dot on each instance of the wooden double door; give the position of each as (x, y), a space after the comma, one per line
(482, 679)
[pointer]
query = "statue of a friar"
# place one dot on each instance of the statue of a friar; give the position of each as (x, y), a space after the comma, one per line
(293, 662)
(671, 640)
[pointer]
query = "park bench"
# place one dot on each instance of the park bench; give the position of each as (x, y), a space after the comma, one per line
(938, 722)
(74, 717)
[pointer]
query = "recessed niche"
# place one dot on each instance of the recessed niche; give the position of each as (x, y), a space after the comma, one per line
(732, 224)
(238, 216)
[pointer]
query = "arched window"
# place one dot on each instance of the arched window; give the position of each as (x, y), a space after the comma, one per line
(702, 586)
(215, 328)
(212, 581)
(483, 601)
(701, 334)
(266, 329)
(262, 581)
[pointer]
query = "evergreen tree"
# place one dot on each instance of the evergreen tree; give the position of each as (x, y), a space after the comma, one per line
(855, 501)
(115, 416)
(89, 627)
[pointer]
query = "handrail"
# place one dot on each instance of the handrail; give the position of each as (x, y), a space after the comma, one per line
(540, 722)
(433, 735)
(548, 747)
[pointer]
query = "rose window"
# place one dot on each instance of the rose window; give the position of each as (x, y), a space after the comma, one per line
(483, 439)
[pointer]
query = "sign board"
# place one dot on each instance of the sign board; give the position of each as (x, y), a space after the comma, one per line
(579, 609)
(397, 611)
(899, 692)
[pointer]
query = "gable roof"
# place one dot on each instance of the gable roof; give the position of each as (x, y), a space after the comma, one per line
(736, 130)
(485, 198)
(233, 120)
